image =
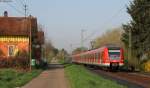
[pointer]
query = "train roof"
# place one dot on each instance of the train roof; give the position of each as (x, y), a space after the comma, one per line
(110, 46)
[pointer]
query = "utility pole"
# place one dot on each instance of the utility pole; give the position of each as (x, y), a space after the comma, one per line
(82, 38)
(71, 48)
(25, 10)
(30, 38)
(92, 44)
(130, 45)
(28, 20)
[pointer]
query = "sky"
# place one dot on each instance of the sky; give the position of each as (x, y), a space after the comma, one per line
(63, 20)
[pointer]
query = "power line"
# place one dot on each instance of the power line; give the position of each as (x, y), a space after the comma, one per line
(22, 2)
(19, 3)
(105, 23)
(24, 7)
(17, 10)
(82, 37)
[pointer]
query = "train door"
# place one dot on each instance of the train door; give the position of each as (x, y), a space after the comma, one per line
(97, 57)
(92, 58)
(102, 57)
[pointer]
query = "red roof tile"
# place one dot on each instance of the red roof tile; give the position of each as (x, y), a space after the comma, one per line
(17, 25)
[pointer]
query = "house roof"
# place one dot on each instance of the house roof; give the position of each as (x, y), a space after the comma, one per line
(17, 25)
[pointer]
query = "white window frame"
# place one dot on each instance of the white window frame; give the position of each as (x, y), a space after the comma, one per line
(13, 50)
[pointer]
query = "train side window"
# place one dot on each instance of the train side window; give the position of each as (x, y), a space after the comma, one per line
(93, 56)
(100, 55)
(90, 56)
(86, 57)
(97, 55)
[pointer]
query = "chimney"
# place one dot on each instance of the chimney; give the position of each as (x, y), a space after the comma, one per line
(5, 14)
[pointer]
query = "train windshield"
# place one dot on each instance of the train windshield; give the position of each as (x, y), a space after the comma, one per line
(114, 54)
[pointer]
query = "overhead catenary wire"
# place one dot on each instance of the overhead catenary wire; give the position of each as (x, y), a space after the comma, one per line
(22, 2)
(24, 7)
(105, 23)
(13, 7)
(19, 3)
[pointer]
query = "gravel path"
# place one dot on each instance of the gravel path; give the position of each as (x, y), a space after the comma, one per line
(52, 78)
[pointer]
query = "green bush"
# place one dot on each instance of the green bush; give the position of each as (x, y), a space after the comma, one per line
(15, 62)
(145, 66)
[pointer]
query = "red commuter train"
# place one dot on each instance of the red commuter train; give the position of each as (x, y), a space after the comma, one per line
(107, 56)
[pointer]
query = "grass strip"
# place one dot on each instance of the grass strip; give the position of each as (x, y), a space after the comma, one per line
(10, 78)
(80, 77)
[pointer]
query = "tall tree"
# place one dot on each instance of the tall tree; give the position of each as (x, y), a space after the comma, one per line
(79, 50)
(62, 54)
(50, 50)
(139, 27)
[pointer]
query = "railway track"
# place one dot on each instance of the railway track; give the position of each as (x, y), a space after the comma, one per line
(129, 79)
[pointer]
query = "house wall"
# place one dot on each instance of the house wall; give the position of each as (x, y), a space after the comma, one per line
(12, 45)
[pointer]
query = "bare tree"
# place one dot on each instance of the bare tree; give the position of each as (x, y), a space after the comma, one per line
(110, 37)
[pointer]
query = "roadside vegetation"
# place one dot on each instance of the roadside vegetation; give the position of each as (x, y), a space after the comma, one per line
(10, 78)
(79, 77)
(112, 36)
(132, 36)
(61, 61)
(61, 56)
(137, 32)
(50, 51)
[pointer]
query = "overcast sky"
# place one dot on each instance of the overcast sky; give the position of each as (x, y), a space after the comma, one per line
(63, 20)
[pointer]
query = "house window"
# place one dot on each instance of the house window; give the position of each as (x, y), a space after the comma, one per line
(11, 49)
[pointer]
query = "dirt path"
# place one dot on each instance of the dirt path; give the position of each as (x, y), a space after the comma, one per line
(52, 78)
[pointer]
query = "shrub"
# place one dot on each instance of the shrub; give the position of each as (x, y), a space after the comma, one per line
(147, 66)
(15, 62)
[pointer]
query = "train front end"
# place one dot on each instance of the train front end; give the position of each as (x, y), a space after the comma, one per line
(115, 57)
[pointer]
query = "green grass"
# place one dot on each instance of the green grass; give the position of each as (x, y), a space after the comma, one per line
(79, 77)
(61, 61)
(10, 78)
